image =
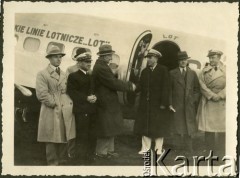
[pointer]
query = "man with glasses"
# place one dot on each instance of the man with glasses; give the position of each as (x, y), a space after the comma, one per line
(79, 89)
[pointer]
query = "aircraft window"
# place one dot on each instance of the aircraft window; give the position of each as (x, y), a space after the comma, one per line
(75, 51)
(31, 44)
(60, 45)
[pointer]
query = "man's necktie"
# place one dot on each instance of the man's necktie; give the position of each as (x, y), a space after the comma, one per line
(215, 68)
(183, 73)
(58, 70)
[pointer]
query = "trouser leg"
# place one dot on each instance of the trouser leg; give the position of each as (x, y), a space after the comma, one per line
(210, 140)
(223, 142)
(92, 144)
(71, 148)
(188, 143)
(62, 152)
(183, 141)
(158, 145)
(103, 145)
(51, 154)
(82, 122)
(111, 144)
(82, 147)
(220, 143)
(92, 139)
(146, 144)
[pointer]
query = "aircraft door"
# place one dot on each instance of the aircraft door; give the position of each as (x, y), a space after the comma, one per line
(169, 51)
(137, 63)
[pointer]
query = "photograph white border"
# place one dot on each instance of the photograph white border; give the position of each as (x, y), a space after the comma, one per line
(224, 13)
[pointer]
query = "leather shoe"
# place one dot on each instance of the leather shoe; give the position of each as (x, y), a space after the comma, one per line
(102, 156)
(113, 154)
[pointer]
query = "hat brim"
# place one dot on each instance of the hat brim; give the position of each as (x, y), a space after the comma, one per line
(214, 54)
(149, 55)
(179, 59)
(107, 53)
(84, 60)
(54, 54)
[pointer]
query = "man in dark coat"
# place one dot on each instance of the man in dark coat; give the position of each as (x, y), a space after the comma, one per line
(184, 97)
(106, 85)
(153, 114)
(79, 89)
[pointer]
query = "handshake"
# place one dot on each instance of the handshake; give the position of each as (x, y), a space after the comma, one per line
(92, 99)
(133, 87)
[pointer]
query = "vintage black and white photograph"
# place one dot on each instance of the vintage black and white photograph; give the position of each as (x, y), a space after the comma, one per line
(120, 88)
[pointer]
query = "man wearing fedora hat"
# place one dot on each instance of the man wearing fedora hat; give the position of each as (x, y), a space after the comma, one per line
(184, 97)
(106, 85)
(56, 122)
(212, 111)
(152, 122)
(84, 108)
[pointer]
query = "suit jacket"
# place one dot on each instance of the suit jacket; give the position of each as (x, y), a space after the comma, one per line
(56, 121)
(184, 98)
(79, 88)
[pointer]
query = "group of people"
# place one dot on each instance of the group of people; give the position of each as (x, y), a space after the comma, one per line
(80, 112)
(179, 103)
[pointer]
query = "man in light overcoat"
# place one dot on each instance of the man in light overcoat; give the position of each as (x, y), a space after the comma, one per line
(211, 114)
(56, 122)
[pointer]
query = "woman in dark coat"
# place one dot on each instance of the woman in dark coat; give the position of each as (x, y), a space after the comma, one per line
(153, 114)
(106, 85)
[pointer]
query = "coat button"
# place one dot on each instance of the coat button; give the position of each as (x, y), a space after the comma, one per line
(86, 115)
